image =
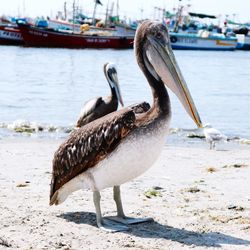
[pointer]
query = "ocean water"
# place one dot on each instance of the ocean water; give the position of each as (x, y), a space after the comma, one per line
(49, 86)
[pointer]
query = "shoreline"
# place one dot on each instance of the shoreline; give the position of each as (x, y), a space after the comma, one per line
(203, 201)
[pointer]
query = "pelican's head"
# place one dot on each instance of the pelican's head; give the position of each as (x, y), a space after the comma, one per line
(154, 52)
(110, 73)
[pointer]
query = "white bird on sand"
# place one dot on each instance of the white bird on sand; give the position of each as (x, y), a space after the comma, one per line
(213, 135)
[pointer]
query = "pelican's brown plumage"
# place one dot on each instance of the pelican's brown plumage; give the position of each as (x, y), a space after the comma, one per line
(99, 107)
(87, 146)
(124, 144)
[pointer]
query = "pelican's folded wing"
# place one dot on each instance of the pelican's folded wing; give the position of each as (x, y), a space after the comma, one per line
(89, 145)
(87, 110)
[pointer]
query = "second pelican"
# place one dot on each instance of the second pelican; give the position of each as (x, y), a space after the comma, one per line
(99, 107)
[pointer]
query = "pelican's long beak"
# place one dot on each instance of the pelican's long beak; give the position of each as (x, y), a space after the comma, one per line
(163, 61)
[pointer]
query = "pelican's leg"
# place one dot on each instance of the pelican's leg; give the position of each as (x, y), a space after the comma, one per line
(118, 201)
(104, 224)
(97, 199)
(121, 217)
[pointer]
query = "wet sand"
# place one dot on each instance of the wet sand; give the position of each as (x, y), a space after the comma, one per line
(198, 198)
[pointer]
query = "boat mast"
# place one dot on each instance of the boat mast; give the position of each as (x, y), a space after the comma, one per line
(163, 14)
(117, 10)
(111, 9)
(106, 15)
(178, 17)
(74, 16)
(94, 12)
(65, 10)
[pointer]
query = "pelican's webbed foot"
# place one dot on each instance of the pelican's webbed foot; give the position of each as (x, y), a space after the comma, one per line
(102, 223)
(129, 220)
(112, 226)
(121, 218)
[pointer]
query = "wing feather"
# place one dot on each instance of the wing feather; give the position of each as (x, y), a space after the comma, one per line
(89, 145)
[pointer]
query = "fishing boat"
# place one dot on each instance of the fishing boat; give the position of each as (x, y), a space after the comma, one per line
(243, 36)
(10, 35)
(243, 42)
(79, 31)
(190, 33)
(199, 41)
(43, 37)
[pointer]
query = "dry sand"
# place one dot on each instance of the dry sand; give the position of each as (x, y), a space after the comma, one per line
(202, 202)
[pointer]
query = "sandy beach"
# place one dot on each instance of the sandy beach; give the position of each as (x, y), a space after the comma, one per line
(198, 198)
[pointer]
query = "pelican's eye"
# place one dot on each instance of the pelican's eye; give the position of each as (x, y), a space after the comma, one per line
(158, 35)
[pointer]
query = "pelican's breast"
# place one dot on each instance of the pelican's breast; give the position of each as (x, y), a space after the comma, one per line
(132, 157)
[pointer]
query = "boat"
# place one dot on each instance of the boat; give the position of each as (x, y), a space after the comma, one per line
(199, 41)
(10, 35)
(188, 32)
(243, 42)
(79, 31)
(44, 37)
(243, 35)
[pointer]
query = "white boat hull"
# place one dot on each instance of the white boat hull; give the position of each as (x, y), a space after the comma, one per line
(195, 42)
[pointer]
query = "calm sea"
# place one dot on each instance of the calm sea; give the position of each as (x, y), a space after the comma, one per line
(49, 86)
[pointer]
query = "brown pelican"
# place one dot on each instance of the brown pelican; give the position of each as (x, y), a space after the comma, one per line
(122, 145)
(98, 107)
